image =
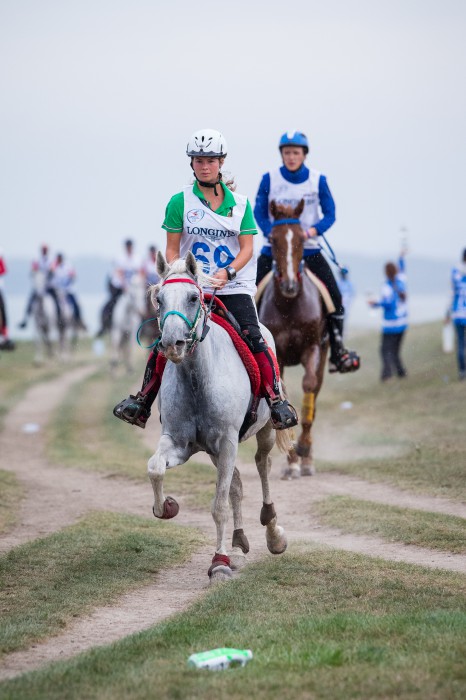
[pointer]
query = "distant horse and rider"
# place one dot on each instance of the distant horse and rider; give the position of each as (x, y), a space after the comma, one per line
(128, 305)
(53, 306)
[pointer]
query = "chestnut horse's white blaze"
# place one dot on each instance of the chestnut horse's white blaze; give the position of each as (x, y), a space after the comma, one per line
(203, 400)
(289, 254)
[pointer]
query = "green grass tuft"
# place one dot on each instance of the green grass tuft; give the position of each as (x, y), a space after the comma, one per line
(411, 527)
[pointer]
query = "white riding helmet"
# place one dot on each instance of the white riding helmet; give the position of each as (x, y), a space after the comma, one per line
(207, 142)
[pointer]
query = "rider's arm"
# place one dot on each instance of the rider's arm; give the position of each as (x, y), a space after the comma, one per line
(261, 207)
(173, 225)
(327, 204)
(172, 251)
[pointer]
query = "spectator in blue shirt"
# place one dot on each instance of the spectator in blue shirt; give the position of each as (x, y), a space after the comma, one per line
(458, 313)
(395, 318)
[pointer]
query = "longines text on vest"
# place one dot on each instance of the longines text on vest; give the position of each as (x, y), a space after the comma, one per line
(211, 232)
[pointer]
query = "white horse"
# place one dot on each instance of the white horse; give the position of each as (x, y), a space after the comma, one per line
(51, 337)
(127, 315)
(203, 400)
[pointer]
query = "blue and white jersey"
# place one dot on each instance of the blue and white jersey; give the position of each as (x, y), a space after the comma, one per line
(395, 308)
(458, 305)
(286, 187)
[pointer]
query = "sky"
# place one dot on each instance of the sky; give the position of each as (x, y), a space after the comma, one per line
(99, 98)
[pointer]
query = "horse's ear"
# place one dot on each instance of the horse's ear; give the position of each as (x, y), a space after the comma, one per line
(191, 264)
(299, 209)
(162, 265)
(273, 208)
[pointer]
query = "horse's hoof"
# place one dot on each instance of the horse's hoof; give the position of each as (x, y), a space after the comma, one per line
(276, 542)
(220, 569)
(286, 475)
(220, 574)
(237, 559)
(170, 509)
(295, 471)
(308, 470)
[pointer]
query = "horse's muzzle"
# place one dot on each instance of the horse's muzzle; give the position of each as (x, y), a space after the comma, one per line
(175, 352)
(289, 288)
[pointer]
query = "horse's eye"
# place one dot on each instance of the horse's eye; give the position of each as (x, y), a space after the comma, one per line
(193, 298)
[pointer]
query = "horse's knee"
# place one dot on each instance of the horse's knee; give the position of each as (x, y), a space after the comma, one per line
(157, 465)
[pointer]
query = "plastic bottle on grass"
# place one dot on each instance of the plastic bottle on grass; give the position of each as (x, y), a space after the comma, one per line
(220, 659)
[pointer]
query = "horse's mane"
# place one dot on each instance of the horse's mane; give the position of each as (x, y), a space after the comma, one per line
(178, 266)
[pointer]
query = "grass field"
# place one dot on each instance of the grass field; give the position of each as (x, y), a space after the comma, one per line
(418, 422)
(321, 623)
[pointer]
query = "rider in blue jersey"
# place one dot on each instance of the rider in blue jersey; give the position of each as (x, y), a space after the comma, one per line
(287, 185)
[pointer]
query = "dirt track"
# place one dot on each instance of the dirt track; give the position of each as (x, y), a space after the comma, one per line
(60, 496)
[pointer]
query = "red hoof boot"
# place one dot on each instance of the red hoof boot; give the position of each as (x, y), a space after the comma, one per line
(170, 509)
(347, 361)
(220, 564)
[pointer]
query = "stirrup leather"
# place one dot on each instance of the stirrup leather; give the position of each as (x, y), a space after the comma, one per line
(133, 410)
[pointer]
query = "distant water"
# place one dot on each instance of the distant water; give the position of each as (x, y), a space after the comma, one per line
(91, 305)
(422, 307)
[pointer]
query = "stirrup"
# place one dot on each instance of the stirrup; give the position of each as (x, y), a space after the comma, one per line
(283, 415)
(133, 410)
(347, 361)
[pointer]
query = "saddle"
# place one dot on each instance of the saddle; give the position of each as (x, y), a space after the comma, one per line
(323, 291)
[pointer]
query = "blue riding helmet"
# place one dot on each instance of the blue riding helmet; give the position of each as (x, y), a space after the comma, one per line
(294, 138)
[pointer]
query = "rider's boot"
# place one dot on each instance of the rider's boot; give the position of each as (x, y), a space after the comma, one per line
(282, 413)
(341, 359)
(136, 410)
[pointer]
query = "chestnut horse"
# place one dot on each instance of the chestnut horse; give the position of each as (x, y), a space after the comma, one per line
(292, 309)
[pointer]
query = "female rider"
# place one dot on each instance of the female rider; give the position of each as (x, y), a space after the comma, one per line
(288, 185)
(218, 227)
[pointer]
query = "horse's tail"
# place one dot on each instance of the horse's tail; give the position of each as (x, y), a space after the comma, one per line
(284, 440)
